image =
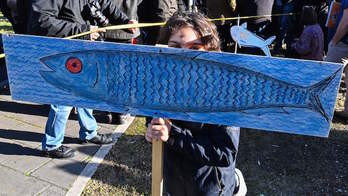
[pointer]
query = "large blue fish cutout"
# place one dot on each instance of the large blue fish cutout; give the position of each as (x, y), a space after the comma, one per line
(245, 38)
(181, 83)
(242, 90)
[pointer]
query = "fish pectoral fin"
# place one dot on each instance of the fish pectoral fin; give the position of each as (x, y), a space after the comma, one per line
(264, 111)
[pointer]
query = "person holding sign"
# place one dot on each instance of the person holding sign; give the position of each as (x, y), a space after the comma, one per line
(199, 159)
(61, 19)
(338, 46)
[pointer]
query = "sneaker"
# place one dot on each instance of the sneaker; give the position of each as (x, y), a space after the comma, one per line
(99, 139)
(60, 153)
(240, 188)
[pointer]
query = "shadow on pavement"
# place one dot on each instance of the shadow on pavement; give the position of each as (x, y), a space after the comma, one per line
(30, 136)
(43, 110)
(30, 109)
(16, 149)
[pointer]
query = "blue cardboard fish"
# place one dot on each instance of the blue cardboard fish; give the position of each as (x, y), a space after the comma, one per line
(176, 82)
(212, 87)
(245, 38)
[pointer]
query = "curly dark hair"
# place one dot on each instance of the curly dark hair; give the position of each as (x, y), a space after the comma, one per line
(205, 29)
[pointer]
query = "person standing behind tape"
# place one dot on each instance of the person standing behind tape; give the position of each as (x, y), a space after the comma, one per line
(155, 11)
(260, 26)
(130, 8)
(338, 47)
(16, 13)
(62, 18)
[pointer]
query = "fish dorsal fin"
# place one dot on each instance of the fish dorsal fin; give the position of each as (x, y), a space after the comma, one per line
(244, 25)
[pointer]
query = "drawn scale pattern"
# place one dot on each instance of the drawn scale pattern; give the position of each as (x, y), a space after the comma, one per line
(249, 89)
(242, 90)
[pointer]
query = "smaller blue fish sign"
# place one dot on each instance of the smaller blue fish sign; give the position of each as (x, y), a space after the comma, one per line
(245, 38)
(249, 91)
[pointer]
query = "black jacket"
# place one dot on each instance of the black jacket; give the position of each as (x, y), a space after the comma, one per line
(155, 11)
(199, 159)
(255, 8)
(130, 8)
(16, 12)
(61, 18)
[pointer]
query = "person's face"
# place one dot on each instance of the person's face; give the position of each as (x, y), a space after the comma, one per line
(187, 38)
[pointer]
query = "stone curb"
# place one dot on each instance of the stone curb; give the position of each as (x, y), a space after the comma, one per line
(86, 174)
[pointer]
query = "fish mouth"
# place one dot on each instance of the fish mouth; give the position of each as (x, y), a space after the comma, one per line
(44, 61)
(49, 74)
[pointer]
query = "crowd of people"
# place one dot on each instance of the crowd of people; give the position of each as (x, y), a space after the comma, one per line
(199, 159)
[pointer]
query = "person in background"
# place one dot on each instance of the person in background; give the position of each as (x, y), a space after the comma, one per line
(130, 8)
(199, 159)
(223, 9)
(62, 18)
(16, 13)
(155, 11)
(338, 47)
(261, 25)
(310, 45)
(285, 24)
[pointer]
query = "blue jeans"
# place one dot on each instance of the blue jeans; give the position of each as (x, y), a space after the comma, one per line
(286, 25)
(56, 123)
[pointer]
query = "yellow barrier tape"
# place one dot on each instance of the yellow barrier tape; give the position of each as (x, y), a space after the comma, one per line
(141, 25)
(249, 17)
(118, 27)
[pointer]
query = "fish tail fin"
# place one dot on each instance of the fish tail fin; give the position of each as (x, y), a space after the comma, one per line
(265, 50)
(315, 91)
(269, 40)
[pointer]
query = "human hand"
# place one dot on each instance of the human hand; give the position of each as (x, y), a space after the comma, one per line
(158, 129)
(133, 30)
(95, 34)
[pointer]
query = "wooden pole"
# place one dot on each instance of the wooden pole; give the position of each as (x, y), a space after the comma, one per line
(236, 46)
(157, 168)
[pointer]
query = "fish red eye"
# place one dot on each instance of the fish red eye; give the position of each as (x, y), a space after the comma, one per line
(74, 65)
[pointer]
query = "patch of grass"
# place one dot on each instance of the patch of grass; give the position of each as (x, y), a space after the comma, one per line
(126, 170)
(272, 163)
(5, 25)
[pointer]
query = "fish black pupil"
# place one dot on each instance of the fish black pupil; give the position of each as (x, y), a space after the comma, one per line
(74, 65)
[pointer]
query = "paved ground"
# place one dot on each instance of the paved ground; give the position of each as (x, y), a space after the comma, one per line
(23, 169)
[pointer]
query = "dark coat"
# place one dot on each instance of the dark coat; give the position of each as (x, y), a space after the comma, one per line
(255, 8)
(130, 8)
(155, 11)
(199, 159)
(16, 12)
(61, 18)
